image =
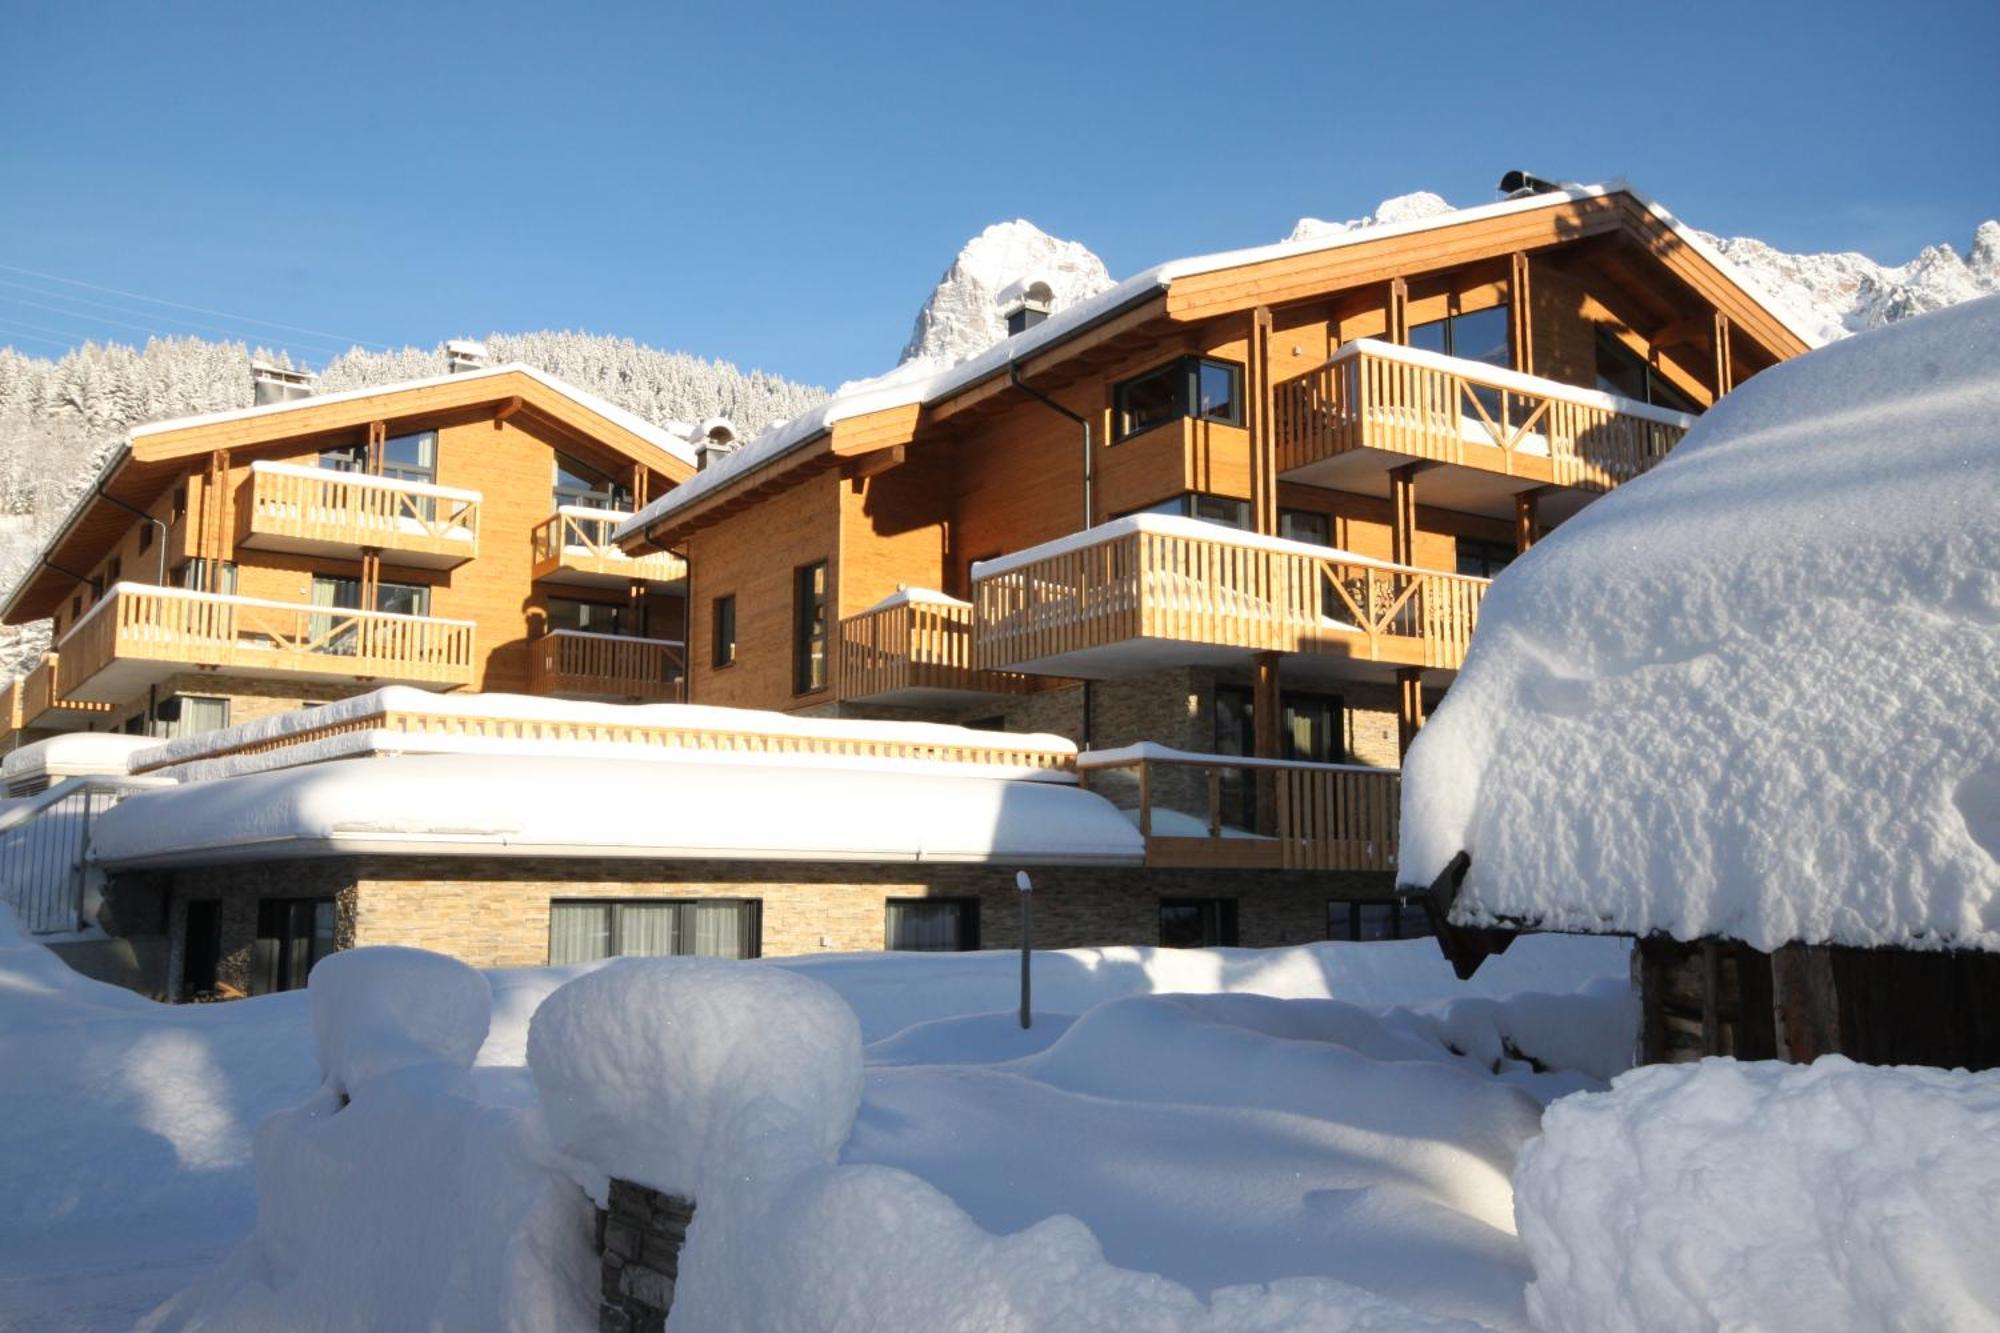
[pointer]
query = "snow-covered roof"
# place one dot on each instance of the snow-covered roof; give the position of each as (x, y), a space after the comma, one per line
(74, 754)
(1756, 692)
(917, 382)
(664, 440)
(566, 805)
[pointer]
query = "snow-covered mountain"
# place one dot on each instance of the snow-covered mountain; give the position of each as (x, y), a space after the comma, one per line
(963, 315)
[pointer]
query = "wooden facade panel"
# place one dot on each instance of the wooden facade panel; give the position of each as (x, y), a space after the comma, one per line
(751, 556)
(893, 531)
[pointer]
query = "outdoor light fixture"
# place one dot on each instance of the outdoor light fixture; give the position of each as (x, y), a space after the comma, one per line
(1027, 888)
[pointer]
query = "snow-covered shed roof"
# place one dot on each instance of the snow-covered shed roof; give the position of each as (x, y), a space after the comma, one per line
(557, 805)
(1756, 692)
(74, 754)
(917, 383)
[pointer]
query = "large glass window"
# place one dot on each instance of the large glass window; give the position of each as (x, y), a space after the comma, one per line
(583, 932)
(345, 458)
(722, 631)
(1375, 919)
(410, 457)
(1480, 335)
(1483, 560)
(1197, 923)
(809, 627)
(1622, 371)
(194, 714)
(339, 593)
(1208, 508)
(582, 486)
(1311, 729)
(1193, 386)
(292, 935)
(193, 575)
(593, 617)
(933, 925)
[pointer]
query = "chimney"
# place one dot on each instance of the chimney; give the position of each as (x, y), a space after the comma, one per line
(1025, 304)
(715, 439)
(1519, 184)
(271, 383)
(463, 354)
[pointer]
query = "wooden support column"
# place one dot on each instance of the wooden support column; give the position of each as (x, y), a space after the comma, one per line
(1403, 513)
(378, 435)
(1525, 504)
(635, 609)
(1263, 433)
(216, 541)
(1266, 711)
(1806, 1003)
(1409, 707)
(1724, 373)
(639, 493)
(371, 577)
(1521, 326)
(1399, 311)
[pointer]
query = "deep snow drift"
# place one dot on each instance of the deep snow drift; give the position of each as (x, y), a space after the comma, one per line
(1752, 693)
(1830, 1197)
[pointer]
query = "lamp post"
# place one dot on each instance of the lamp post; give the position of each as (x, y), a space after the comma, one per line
(1027, 888)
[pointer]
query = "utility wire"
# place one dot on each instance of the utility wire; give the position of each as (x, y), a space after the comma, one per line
(199, 310)
(67, 299)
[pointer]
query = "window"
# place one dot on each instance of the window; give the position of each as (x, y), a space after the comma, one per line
(201, 947)
(115, 570)
(582, 932)
(193, 575)
(1311, 729)
(809, 628)
(1208, 508)
(1478, 336)
(180, 504)
(722, 630)
(75, 608)
(146, 531)
(932, 925)
(1375, 919)
(580, 485)
(339, 593)
(1197, 923)
(345, 458)
(593, 617)
(1483, 559)
(292, 935)
(1305, 525)
(194, 715)
(1622, 371)
(411, 457)
(1192, 386)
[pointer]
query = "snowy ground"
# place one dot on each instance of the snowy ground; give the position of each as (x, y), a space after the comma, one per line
(1276, 1118)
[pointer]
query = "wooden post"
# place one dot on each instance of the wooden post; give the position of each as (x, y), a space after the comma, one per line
(1403, 514)
(1724, 373)
(1266, 709)
(639, 478)
(1806, 1003)
(1263, 435)
(218, 519)
(1399, 311)
(1409, 707)
(1520, 326)
(1524, 520)
(378, 435)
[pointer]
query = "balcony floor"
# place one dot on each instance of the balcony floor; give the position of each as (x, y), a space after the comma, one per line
(127, 676)
(1138, 656)
(1467, 488)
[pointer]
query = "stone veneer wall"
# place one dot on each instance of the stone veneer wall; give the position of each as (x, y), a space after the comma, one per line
(639, 1237)
(494, 911)
(249, 699)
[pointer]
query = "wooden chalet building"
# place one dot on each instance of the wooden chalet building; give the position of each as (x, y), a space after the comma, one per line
(1238, 512)
(451, 533)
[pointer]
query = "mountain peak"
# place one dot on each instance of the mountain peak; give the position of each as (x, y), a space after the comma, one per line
(963, 315)
(1413, 207)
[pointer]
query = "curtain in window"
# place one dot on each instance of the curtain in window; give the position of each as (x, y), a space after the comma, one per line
(722, 930)
(648, 930)
(344, 594)
(579, 932)
(927, 926)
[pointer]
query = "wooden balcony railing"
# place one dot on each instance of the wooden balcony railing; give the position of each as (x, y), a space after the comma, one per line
(1198, 810)
(320, 511)
(1188, 582)
(137, 625)
(606, 666)
(911, 648)
(42, 697)
(574, 545)
(1417, 404)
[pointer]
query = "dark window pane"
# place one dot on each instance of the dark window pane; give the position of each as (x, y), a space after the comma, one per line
(1432, 337)
(724, 630)
(1218, 509)
(1340, 920)
(345, 458)
(932, 925)
(1197, 923)
(1375, 921)
(1481, 336)
(809, 628)
(1483, 560)
(404, 599)
(1305, 525)
(590, 617)
(1620, 370)
(1152, 400)
(410, 457)
(1218, 392)
(582, 486)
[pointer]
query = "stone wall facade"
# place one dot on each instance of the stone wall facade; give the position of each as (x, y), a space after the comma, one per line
(640, 1232)
(250, 700)
(494, 911)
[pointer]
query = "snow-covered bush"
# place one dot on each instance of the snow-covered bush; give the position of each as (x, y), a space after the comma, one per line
(1830, 1197)
(381, 1009)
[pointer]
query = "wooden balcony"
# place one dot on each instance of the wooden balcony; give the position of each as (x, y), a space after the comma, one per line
(1377, 405)
(139, 634)
(1219, 811)
(317, 511)
(43, 704)
(915, 650)
(1149, 592)
(574, 546)
(576, 664)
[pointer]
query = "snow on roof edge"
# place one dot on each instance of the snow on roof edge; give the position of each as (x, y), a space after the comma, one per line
(890, 390)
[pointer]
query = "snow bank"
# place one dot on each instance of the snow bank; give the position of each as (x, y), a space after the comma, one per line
(563, 805)
(381, 1009)
(1829, 1197)
(1752, 692)
(686, 1074)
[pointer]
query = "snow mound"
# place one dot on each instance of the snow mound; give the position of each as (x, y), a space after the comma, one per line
(674, 1071)
(1751, 694)
(965, 314)
(377, 1010)
(1832, 1197)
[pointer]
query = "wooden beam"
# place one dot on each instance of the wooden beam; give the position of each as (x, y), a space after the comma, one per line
(1409, 707)
(1694, 331)
(868, 465)
(1263, 438)
(1725, 379)
(1398, 307)
(1519, 310)
(1525, 504)
(1403, 514)
(505, 410)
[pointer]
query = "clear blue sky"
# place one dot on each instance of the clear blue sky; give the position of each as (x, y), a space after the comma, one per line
(780, 186)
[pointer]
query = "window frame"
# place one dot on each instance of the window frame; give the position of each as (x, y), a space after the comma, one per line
(1187, 396)
(967, 907)
(1214, 911)
(615, 906)
(812, 627)
(271, 972)
(1407, 920)
(721, 645)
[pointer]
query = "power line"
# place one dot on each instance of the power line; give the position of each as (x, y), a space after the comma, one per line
(5, 331)
(67, 299)
(199, 310)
